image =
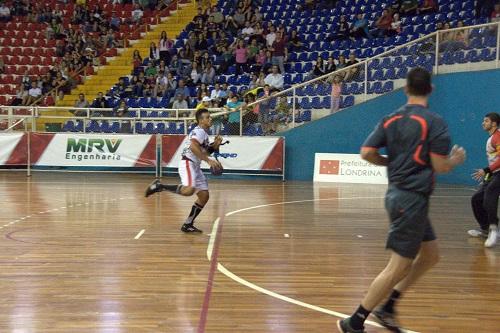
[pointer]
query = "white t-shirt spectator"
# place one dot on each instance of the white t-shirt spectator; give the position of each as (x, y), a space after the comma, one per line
(137, 14)
(270, 38)
(35, 92)
(248, 31)
(4, 11)
(215, 94)
(274, 80)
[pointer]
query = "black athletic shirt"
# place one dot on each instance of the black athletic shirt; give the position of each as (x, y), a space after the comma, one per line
(411, 135)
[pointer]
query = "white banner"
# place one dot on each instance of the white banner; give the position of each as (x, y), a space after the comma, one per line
(241, 153)
(8, 141)
(93, 150)
(347, 168)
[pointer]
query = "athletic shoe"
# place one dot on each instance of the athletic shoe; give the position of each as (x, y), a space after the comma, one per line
(492, 237)
(153, 188)
(478, 233)
(387, 319)
(190, 228)
(344, 326)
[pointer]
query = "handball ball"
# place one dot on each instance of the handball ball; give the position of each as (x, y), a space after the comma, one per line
(216, 171)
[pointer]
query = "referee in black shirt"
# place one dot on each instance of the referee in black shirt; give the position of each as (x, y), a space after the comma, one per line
(417, 144)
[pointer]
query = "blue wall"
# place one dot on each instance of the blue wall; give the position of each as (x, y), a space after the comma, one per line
(461, 98)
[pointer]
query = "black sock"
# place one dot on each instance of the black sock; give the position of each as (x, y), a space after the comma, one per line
(389, 305)
(358, 318)
(195, 211)
(171, 188)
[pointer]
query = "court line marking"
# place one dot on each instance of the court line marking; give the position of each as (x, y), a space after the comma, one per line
(255, 287)
(213, 254)
(140, 234)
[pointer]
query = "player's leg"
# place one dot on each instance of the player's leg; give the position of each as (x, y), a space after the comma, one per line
(490, 204)
(427, 258)
(201, 184)
(186, 188)
(408, 214)
(397, 268)
(477, 203)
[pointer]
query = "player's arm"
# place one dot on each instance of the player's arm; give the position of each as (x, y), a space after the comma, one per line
(375, 141)
(202, 155)
(439, 145)
(372, 155)
(446, 163)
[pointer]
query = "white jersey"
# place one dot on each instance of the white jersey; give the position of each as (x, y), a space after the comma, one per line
(201, 136)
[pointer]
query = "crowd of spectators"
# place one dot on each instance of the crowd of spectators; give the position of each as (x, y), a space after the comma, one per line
(79, 43)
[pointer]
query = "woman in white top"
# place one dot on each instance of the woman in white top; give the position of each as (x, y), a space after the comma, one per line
(164, 46)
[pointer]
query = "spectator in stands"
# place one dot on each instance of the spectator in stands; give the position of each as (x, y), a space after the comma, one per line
(230, 26)
(180, 103)
(241, 56)
(100, 102)
(336, 93)
(294, 42)
(360, 27)
(194, 74)
(150, 69)
(137, 15)
(154, 53)
(205, 103)
(261, 81)
(2, 66)
(271, 36)
(383, 23)
(248, 31)
(183, 90)
(21, 96)
(138, 89)
(216, 94)
(275, 79)
(234, 104)
(34, 93)
(208, 75)
(81, 102)
(115, 22)
(280, 52)
(5, 14)
(352, 73)
(260, 60)
(409, 7)
(136, 59)
(495, 14)
(318, 69)
(395, 25)
(330, 66)
(342, 31)
(216, 15)
(239, 18)
(428, 6)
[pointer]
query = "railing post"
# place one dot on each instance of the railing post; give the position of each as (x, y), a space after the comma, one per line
(436, 65)
(498, 45)
(294, 108)
(185, 127)
(34, 115)
(10, 113)
(366, 80)
(241, 121)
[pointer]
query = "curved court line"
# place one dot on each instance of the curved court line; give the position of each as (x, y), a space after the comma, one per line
(255, 287)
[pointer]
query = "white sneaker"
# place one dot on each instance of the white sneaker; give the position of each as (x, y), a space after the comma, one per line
(477, 233)
(492, 237)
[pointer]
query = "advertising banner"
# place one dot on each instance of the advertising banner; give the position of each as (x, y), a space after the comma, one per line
(347, 168)
(93, 150)
(241, 153)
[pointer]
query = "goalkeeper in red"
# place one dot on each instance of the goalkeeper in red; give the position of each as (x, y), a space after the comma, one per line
(193, 180)
(485, 200)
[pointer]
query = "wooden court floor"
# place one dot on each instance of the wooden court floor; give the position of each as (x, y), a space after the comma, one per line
(88, 253)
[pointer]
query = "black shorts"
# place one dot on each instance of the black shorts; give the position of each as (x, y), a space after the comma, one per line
(410, 224)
